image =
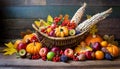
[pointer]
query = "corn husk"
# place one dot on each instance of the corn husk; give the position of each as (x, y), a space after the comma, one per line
(78, 15)
(87, 24)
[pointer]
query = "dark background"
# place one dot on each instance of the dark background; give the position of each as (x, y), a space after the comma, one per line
(18, 15)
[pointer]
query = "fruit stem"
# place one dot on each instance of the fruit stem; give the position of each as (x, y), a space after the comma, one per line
(34, 42)
(94, 35)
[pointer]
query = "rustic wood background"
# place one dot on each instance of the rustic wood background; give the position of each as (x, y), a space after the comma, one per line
(18, 15)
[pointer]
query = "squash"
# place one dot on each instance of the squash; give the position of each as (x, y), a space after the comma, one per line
(113, 50)
(34, 47)
(93, 39)
(82, 48)
(61, 31)
(27, 37)
(30, 38)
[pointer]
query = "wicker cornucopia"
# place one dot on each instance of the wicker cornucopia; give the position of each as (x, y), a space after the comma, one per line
(71, 41)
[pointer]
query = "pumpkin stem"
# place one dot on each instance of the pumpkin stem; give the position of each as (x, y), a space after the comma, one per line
(94, 36)
(34, 42)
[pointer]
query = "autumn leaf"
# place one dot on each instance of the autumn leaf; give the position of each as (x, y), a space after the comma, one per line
(10, 49)
(93, 30)
(49, 19)
(37, 23)
(88, 16)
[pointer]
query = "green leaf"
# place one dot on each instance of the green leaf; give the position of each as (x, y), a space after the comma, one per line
(49, 19)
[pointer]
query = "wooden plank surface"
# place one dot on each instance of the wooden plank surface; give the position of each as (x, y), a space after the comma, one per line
(12, 62)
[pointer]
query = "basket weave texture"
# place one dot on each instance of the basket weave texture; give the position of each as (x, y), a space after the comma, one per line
(62, 42)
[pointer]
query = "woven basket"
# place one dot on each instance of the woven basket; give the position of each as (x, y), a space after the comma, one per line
(62, 42)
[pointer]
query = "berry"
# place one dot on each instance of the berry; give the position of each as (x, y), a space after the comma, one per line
(56, 20)
(75, 58)
(44, 58)
(108, 56)
(36, 56)
(64, 58)
(61, 52)
(56, 58)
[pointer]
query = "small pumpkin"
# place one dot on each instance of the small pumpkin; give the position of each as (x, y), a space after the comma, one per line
(113, 50)
(93, 39)
(61, 31)
(34, 47)
(27, 37)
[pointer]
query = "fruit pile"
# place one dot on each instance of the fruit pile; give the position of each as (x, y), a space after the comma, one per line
(60, 26)
(93, 47)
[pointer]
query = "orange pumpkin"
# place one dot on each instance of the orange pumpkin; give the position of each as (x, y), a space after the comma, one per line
(27, 37)
(34, 47)
(113, 50)
(93, 38)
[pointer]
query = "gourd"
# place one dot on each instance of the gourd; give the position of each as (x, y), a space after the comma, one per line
(93, 37)
(34, 47)
(113, 50)
(82, 48)
(61, 31)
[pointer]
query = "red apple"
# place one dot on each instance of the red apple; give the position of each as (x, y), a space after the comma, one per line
(68, 52)
(96, 46)
(89, 55)
(21, 45)
(53, 26)
(56, 50)
(43, 51)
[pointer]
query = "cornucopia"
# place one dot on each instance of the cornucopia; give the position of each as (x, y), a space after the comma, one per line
(83, 28)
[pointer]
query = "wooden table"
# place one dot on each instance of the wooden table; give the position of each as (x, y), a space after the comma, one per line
(11, 62)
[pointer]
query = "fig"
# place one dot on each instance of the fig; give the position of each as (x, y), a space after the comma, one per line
(81, 57)
(96, 46)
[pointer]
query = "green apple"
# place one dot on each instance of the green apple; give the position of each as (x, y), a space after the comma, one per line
(50, 55)
(22, 53)
(72, 32)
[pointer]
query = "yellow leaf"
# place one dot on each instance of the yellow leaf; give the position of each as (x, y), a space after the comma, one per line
(9, 44)
(45, 24)
(88, 16)
(10, 49)
(49, 19)
(93, 30)
(37, 23)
